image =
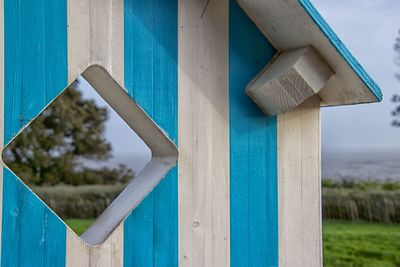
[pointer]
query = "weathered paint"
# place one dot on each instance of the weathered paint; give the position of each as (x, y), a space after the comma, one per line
(95, 36)
(293, 77)
(204, 236)
(341, 48)
(151, 231)
(253, 148)
(299, 186)
(35, 71)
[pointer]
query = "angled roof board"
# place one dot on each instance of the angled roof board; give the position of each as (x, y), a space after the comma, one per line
(290, 24)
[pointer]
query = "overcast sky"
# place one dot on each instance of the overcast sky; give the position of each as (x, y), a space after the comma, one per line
(127, 147)
(369, 29)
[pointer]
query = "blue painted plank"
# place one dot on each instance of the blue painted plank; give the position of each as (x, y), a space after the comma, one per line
(341, 48)
(32, 230)
(253, 148)
(138, 47)
(151, 40)
(35, 71)
(12, 197)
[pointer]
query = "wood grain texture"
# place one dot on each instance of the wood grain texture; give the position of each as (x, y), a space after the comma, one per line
(35, 70)
(151, 77)
(289, 80)
(300, 230)
(253, 150)
(95, 36)
(108, 254)
(204, 223)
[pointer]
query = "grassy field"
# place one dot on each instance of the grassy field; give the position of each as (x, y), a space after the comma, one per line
(361, 244)
(79, 225)
(346, 244)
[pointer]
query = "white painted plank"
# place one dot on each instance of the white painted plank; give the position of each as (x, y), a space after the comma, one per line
(204, 218)
(78, 37)
(109, 253)
(299, 186)
(95, 36)
(77, 253)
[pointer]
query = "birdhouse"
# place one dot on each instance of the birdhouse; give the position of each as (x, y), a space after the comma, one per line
(227, 96)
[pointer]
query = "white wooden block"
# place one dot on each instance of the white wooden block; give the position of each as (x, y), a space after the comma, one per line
(289, 80)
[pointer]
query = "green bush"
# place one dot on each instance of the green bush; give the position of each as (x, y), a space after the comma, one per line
(87, 201)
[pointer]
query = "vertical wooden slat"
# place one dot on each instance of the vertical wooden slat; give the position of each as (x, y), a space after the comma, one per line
(151, 231)
(204, 235)
(1, 108)
(35, 69)
(253, 150)
(95, 36)
(300, 228)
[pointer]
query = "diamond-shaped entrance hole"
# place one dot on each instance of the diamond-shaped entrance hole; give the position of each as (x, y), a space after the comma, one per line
(92, 155)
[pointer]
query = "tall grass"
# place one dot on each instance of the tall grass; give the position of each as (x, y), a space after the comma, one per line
(80, 202)
(371, 201)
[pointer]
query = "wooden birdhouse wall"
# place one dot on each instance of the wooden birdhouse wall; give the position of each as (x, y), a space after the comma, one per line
(246, 189)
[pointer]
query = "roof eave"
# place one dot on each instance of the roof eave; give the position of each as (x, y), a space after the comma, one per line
(296, 23)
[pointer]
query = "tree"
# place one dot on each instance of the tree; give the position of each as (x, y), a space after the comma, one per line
(54, 147)
(396, 97)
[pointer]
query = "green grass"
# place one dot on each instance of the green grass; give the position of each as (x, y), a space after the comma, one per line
(79, 225)
(361, 244)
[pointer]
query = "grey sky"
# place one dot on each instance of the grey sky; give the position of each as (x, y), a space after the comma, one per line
(369, 29)
(127, 146)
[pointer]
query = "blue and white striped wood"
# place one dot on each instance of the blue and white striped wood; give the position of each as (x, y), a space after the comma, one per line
(237, 201)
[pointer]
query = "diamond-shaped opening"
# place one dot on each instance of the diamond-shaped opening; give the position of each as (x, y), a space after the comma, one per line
(80, 155)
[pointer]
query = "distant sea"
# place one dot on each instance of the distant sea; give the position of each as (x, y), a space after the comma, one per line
(135, 162)
(361, 164)
(336, 164)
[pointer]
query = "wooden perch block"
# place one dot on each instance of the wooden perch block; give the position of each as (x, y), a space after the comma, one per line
(289, 80)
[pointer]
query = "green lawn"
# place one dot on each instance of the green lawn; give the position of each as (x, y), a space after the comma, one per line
(361, 244)
(79, 225)
(345, 243)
